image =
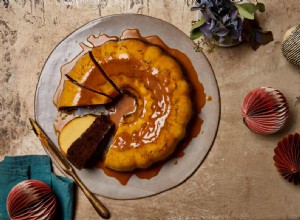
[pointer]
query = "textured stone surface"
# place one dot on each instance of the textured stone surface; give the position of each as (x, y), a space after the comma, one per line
(237, 179)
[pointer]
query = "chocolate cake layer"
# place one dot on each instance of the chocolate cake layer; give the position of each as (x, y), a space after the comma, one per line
(87, 144)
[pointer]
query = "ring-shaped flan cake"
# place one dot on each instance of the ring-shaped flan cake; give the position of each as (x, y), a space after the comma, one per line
(162, 95)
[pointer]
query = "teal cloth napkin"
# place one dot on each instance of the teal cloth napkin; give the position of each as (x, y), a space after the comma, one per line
(16, 169)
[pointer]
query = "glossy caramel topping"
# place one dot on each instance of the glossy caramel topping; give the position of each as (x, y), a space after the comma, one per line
(125, 107)
(128, 72)
(76, 96)
(186, 64)
(86, 74)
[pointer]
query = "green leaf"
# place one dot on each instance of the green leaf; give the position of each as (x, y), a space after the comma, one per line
(195, 34)
(198, 23)
(250, 7)
(260, 7)
(243, 10)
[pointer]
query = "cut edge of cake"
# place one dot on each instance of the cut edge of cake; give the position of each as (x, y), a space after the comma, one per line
(89, 138)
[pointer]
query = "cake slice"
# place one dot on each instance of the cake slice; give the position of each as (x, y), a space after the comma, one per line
(80, 139)
(77, 96)
(87, 73)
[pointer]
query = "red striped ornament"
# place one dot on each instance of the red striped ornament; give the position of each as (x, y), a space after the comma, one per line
(287, 158)
(265, 110)
(31, 200)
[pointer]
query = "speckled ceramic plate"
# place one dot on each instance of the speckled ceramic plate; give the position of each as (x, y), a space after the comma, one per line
(171, 174)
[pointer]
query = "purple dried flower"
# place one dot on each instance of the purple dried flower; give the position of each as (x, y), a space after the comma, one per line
(221, 19)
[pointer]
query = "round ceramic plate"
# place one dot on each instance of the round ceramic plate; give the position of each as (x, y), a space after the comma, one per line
(171, 174)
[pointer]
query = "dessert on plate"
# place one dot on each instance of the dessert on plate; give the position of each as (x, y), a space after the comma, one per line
(104, 75)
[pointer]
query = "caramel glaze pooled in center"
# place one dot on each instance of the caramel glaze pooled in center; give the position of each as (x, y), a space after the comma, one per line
(160, 98)
(161, 107)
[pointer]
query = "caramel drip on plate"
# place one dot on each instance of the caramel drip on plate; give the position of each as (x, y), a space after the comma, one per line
(209, 98)
(124, 177)
(62, 120)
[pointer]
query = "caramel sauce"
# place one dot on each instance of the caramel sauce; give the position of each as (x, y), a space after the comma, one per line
(160, 106)
(124, 177)
(125, 106)
(185, 62)
(126, 72)
(161, 96)
(62, 120)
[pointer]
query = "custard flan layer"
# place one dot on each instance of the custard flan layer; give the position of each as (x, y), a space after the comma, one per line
(86, 74)
(76, 96)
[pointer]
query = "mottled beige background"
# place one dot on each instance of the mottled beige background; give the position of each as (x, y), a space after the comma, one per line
(237, 179)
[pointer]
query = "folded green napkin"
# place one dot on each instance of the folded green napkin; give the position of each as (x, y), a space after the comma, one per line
(16, 169)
